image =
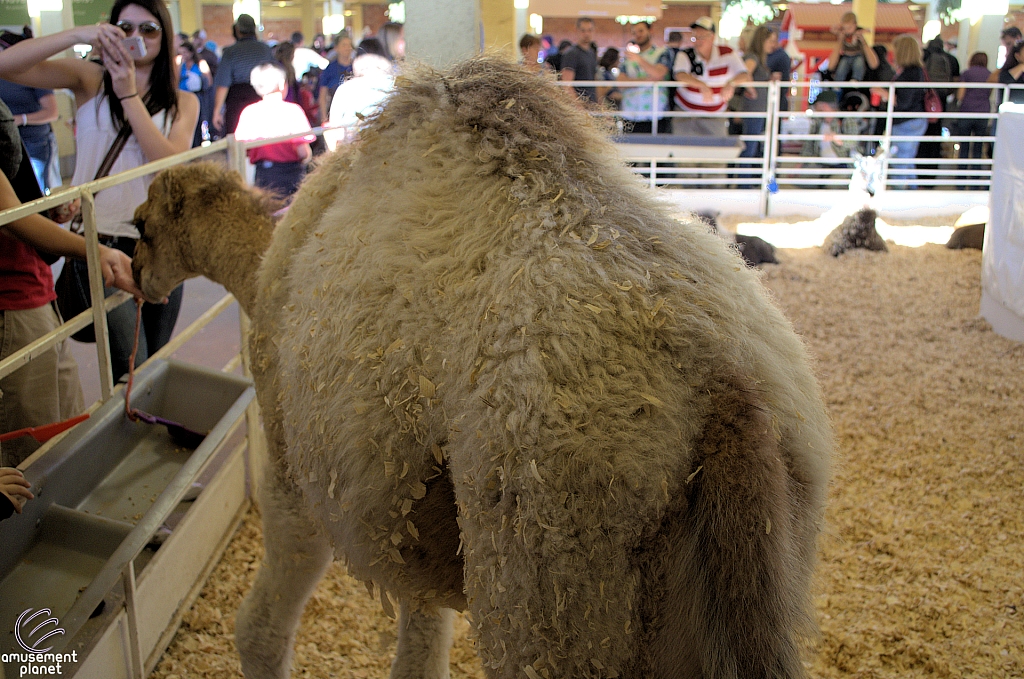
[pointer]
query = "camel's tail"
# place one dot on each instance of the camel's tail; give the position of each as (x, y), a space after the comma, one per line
(737, 590)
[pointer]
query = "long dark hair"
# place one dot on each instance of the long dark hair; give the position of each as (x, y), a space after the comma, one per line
(163, 79)
(755, 46)
(284, 52)
(1011, 56)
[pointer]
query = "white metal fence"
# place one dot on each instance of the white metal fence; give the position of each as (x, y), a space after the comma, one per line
(782, 159)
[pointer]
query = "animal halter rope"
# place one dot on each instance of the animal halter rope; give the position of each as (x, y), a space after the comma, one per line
(181, 434)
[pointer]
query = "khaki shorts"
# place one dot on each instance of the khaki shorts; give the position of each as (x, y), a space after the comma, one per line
(700, 127)
(44, 391)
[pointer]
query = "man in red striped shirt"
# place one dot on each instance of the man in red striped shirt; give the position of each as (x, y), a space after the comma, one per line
(710, 74)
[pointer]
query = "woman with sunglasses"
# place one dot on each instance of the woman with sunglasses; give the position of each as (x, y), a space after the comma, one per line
(140, 91)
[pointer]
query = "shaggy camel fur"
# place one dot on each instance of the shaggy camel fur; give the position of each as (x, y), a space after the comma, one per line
(497, 375)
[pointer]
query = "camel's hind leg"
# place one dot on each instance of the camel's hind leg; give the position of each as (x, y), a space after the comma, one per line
(424, 639)
(296, 558)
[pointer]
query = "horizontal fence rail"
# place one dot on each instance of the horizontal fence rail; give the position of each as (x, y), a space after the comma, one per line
(782, 154)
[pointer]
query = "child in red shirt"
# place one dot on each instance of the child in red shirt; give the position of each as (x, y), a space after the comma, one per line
(279, 167)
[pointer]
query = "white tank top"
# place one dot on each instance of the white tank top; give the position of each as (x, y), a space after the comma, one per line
(94, 135)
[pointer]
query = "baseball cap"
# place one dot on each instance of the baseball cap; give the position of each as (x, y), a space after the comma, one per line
(246, 24)
(707, 23)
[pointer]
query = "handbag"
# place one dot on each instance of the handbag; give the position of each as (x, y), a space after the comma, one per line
(932, 101)
(72, 286)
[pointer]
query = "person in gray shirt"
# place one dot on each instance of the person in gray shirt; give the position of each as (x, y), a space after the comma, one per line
(233, 89)
(580, 62)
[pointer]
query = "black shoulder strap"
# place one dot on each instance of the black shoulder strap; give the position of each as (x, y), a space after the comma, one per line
(117, 146)
(696, 68)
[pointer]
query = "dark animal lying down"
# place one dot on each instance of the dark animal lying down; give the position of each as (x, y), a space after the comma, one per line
(856, 231)
(754, 250)
(971, 236)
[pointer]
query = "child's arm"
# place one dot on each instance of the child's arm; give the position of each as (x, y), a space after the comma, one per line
(833, 58)
(870, 57)
(14, 489)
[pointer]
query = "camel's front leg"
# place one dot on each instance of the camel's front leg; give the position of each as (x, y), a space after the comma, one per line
(424, 639)
(296, 558)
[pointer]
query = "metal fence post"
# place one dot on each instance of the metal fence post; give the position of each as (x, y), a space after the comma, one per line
(99, 314)
(887, 138)
(236, 155)
(137, 670)
(768, 155)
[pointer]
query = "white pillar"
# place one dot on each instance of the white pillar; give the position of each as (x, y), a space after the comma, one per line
(522, 24)
(980, 35)
(441, 32)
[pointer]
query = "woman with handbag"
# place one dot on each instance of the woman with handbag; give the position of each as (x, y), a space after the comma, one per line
(130, 112)
(909, 101)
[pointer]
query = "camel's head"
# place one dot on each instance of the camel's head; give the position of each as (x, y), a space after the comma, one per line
(177, 225)
(158, 264)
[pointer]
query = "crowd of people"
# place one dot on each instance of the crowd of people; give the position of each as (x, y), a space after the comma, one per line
(144, 93)
(715, 78)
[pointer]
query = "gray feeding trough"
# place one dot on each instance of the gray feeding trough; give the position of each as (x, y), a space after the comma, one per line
(101, 494)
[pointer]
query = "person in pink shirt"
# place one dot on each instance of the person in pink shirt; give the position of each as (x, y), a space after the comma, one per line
(280, 167)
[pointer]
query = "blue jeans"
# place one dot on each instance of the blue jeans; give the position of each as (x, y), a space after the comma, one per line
(281, 178)
(912, 127)
(850, 68)
(974, 127)
(751, 149)
(43, 154)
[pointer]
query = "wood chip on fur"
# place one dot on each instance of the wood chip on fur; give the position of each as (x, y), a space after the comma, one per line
(921, 562)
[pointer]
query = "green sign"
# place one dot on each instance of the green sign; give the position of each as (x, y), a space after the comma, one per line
(89, 12)
(13, 13)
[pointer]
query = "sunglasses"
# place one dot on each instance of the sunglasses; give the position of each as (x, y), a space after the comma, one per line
(147, 29)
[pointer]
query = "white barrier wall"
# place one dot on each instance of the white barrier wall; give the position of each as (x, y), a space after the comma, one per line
(1002, 266)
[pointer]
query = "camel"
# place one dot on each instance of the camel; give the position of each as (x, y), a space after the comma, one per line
(497, 376)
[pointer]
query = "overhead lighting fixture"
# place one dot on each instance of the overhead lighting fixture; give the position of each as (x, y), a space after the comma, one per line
(537, 24)
(521, 4)
(634, 19)
(250, 7)
(35, 7)
(333, 24)
(396, 12)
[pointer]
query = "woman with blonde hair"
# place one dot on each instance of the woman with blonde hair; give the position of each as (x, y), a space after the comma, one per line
(908, 119)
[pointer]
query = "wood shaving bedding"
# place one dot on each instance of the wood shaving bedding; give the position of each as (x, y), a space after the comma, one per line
(922, 560)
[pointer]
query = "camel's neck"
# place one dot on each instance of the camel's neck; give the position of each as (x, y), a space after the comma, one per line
(231, 253)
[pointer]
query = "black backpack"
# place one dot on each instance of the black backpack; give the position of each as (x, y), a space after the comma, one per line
(939, 71)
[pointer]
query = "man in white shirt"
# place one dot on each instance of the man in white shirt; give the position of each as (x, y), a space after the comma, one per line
(709, 74)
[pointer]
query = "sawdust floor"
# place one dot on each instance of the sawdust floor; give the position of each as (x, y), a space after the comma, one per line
(922, 568)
